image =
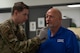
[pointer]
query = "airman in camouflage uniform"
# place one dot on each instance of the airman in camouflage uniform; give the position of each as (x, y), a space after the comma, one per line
(12, 35)
(13, 40)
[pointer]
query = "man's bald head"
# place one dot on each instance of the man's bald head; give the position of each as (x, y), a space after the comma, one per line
(56, 11)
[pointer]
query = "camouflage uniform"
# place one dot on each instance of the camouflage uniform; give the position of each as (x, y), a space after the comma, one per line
(13, 39)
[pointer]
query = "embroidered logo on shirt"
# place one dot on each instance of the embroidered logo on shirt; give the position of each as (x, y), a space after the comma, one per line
(60, 40)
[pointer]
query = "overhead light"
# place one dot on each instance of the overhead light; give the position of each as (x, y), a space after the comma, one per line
(76, 5)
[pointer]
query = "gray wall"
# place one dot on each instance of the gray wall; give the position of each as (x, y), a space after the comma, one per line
(35, 12)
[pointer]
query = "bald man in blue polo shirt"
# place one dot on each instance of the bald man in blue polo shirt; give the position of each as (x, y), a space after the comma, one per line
(60, 40)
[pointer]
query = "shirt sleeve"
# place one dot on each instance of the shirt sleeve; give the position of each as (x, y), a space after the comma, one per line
(75, 44)
(72, 43)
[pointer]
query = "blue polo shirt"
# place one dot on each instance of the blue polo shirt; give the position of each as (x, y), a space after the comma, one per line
(64, 41)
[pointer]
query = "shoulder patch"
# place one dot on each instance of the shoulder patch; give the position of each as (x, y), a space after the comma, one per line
(4, 28)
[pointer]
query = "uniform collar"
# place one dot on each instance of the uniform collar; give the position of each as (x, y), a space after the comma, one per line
(13, 25)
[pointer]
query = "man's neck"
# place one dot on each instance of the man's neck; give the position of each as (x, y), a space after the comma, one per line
(54, 30)
(14, 20)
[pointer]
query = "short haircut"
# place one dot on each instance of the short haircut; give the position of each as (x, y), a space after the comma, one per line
(19, 6)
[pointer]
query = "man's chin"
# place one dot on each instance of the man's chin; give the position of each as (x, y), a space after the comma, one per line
(50, 26)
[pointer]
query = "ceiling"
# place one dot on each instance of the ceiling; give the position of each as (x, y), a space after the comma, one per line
(9, 3)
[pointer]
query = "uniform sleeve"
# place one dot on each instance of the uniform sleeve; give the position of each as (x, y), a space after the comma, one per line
(30, 45)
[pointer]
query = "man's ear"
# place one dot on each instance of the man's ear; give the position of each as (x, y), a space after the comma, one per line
(15, 12)
(60, 18)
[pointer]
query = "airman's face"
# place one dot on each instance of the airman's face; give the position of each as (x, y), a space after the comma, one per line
(22, 16)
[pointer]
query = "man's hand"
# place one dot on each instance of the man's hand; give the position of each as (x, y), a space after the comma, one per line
(43, 34)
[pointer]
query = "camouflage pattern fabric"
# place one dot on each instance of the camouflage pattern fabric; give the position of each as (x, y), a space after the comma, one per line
(13, 39)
